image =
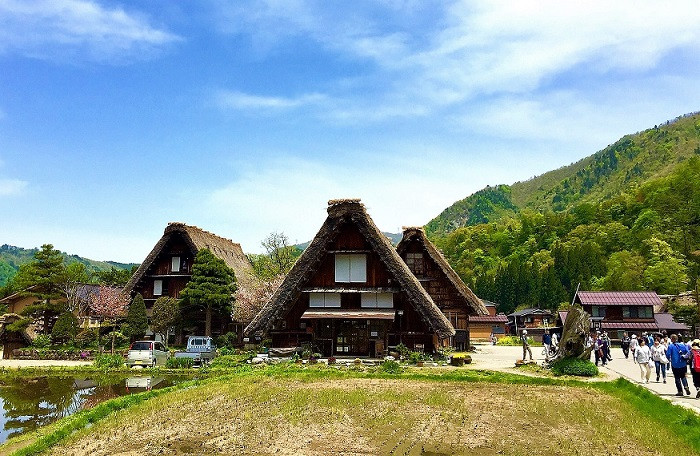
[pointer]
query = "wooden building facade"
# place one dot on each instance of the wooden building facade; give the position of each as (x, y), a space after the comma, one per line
(618, 312)
(167, 270)
(452, 296)
(351, 294)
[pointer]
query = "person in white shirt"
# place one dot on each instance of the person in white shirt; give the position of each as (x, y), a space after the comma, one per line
(658, 354)
(642, 355)
(633, 346)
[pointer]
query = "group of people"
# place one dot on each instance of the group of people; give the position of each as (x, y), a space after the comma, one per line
(549, 341)
(664, 353)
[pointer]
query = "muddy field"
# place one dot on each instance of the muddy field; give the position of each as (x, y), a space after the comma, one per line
(373, 416)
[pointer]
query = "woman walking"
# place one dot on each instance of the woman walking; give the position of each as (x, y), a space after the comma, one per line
(642, 355)
(658, 354)
(695, 365)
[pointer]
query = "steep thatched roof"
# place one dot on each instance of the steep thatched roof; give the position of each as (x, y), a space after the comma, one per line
(29, 333)
(198, 239)
(417, 234)
(341, 212)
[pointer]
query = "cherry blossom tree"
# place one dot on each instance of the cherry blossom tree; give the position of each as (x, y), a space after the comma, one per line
(250, 299)
(110, 304)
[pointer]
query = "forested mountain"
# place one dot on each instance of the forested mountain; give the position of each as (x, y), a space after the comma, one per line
(12, 257)
(625, 218)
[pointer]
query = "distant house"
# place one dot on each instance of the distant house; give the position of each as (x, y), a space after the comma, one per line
(452, 296)
(531, 319)
(168, 268)
(621, 311)
(351, 294)
(482, 326)
(17, 302)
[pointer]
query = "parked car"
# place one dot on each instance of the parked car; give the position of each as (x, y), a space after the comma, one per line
(200, 349)
(147, 353)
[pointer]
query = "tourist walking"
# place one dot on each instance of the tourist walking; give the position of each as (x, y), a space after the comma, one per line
(555, 343)
(598, 349)
(695, 365)
(526, 344)
(677, 353)
(642, 355)
(626, 345)
(658, 354)
(547, 342)
(633, 346)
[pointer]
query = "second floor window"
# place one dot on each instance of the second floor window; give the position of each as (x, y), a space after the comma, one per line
(157, 287)
(351, 267)
(176, 264)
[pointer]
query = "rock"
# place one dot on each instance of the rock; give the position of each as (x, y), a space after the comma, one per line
(257, 360)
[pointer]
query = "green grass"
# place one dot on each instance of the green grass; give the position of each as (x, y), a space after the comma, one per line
(336, 401)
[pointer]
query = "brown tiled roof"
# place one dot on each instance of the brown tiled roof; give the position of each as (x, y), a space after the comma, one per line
(613, 325)
(500, 318)
(618, 298)
(666, 321)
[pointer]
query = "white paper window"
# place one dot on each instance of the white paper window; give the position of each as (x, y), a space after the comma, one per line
(351, 267)
(377, 300)
(157, 287)
(176, 264)
(324, 299)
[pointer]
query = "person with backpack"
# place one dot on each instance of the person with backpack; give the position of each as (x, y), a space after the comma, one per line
(678, 354)
(695, 365)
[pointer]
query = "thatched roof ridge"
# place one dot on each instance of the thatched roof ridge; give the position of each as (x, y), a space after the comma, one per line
(198, 239)
(340, 212)
(416, 232)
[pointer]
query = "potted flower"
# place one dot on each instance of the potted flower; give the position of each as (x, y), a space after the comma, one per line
(331, 360)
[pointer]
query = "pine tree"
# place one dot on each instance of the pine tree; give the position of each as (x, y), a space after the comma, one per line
(211, 287)
(65, 328)
(43, 279)
(136, 318)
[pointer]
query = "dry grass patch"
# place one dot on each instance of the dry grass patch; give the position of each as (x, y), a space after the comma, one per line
(375, 416)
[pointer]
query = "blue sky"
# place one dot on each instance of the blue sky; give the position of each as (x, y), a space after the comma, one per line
(246, 117)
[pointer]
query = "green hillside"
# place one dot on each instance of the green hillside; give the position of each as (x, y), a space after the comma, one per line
(625, 218)
(624, 165)
(12, 257)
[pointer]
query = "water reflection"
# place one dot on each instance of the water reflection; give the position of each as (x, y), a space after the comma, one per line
(29, 403)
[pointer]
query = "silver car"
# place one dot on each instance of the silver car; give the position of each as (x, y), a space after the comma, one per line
(147, 353)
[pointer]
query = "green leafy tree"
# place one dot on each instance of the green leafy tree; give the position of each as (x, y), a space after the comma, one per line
(136, 318)
(278, 259)
(114, 277)
(210, 289)
(65, 328)
(165, 315)
(666, 273)
(625, 272)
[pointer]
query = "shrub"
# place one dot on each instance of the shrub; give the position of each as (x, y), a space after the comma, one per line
(179, 363)
(42, 341)
(230, 361)
(403, 350)
(390, 367)
(228, 340)
(65, 328)
(513, 340)
(109, 361)
(136, 318)
(120, 340)
(415, 357)
(86, 338)
(574, 366)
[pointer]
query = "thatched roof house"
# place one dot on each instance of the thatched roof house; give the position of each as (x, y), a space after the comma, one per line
(167, 269)
(452, 296)
(351, 293)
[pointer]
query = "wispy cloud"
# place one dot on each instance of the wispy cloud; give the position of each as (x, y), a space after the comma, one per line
(77, 29)
(12, 187)
(443, 56)
(239, 100)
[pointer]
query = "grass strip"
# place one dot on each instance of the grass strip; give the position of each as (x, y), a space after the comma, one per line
(681, 421)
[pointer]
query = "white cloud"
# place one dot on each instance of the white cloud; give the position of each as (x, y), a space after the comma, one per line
(291, 195)
(77, 28)
(239, 100)
(12, 187)
(430, 56)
